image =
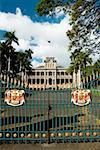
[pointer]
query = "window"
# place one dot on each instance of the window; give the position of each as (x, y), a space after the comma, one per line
(62, 73)
(29, 81)
(66, 80)
(38, 73)
(53, 81)
(58, 81)
(58, 73)
(71, 80)
(53, 73)
(42, 81)
(33, 81)
(42, 73)
(50, 73)
(33, 73)
(62, 81)
(66, 73)
(50, 81)
(37, 81)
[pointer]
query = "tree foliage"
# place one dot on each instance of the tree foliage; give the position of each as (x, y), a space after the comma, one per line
(79, 58)
(19, 60)
(85, 20)
(47, 7)
(84, 34)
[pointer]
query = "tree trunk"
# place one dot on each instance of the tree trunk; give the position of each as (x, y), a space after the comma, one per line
(9, 65)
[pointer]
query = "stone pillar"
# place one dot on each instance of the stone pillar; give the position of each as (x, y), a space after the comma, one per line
(55, 79)
(74, 79)
(79, 78)
(44, 79)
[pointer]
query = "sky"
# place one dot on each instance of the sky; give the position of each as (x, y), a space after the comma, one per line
(34, 31)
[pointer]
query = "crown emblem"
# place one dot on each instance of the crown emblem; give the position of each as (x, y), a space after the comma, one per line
(81, 97)
(14, 97)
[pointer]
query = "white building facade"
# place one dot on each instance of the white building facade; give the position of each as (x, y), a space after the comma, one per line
(50, 76)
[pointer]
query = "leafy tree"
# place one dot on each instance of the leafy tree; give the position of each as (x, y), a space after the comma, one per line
(84, 32)
(79, 58)
(46, 7)
(24, 60)
(85, 20)
(97, 66)
(13, 62)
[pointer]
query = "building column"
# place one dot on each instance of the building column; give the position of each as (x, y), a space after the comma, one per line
(79, 77)
(74, 79)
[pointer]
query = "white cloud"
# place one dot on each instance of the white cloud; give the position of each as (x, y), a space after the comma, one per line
(25, 28)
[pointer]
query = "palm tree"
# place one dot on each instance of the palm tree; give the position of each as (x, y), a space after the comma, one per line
(4, 56)
(10, 37)
(79, 62)
(24, 59)
(80, 59)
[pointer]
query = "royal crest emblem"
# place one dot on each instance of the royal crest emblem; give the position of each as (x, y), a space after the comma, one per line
(14, 97)
(81, 97)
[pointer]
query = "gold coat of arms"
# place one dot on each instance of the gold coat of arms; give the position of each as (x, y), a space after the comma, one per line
(81, 97)
(14, 97)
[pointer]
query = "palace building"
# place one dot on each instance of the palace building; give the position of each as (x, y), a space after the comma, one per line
(50, 76)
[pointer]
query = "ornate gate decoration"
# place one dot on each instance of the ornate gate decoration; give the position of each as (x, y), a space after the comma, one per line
(81, 97)
(14, 97)
(50, 116)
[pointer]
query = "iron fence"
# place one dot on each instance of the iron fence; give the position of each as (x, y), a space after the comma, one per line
(50, 116)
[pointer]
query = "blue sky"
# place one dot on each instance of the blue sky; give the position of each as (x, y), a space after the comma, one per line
(27, 7)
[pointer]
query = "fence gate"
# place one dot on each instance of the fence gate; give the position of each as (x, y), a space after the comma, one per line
(49, 116)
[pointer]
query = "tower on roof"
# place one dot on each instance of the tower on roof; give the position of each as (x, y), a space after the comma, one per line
(50, 63)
